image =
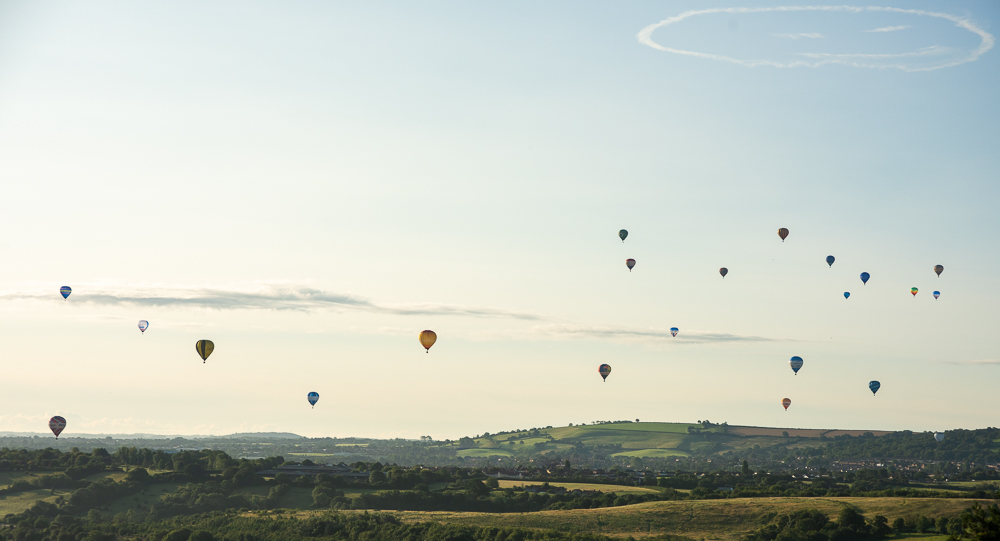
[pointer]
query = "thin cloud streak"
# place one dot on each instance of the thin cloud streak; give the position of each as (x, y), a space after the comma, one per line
(623, 333)
(889, 28)
(259, 297)
(987, 41)
(978, 362)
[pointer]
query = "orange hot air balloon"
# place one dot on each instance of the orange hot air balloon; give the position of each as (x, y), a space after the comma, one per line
(786, 402)
(939, 269)
(427, 339)
(723, 271)
(783, 232)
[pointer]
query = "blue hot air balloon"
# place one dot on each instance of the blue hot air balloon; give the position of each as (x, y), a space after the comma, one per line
(830, 259)
(313, 398)
(674, 331)
(65, 291)
(874, 385)
(937, 294)
(864, 277)
(796, 363)
(847, 294)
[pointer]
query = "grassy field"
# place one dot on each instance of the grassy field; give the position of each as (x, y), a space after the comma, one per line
(617, 489)
(644, 453)
(724, 520)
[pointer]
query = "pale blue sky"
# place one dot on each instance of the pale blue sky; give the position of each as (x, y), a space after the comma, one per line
(311, 184)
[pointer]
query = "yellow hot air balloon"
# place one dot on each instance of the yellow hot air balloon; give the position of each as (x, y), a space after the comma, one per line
(204, 348)
(427, 339)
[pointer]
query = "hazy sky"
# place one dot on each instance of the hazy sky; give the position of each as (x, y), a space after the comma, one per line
(310, 184)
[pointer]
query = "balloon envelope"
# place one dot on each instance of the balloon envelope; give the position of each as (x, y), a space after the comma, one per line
(143, 325)
(939, 269)
(847, 294)
(65, 291)
(939, 437)
(204, 349)
(830, 259)
(56, 425)
(674, 331)
(313, 398)
(864, 277)
(796, 364)
(427, 339)
(937, 294)
(622, 234)
(630, 263)
(783, 233)
(723, 271)
(874, 386)
(914, 290)
(786, 402)
(604, 370)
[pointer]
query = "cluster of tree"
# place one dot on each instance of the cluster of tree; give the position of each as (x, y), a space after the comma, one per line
(234, 527)
(976, 523)
(978, 446)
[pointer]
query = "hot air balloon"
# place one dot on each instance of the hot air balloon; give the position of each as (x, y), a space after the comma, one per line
(874, 385)
(204, 348)
(783, 233)
(622, 234)
(847, 294)
(864, 277)
(786, 402)
(143, 325)
(630, 263)
(723, 271)
(939, 269)
(604, 370)
(939, 437)
(830, 259)
(937, 294)
(313, 397)
(674, 331)
(427, 339)
(796, 364)
(56, 425)
(914, 290)
(65, 291)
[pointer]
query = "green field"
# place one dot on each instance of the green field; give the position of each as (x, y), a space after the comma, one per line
(725, 520)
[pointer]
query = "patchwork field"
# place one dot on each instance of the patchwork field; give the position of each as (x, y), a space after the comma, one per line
(617, 489)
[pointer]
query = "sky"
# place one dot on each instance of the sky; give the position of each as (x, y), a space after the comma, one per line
(311, 184)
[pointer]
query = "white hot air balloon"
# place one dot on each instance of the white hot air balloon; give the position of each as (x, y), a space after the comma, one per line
(939, 437)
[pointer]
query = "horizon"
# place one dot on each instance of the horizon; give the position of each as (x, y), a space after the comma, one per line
(310, 186)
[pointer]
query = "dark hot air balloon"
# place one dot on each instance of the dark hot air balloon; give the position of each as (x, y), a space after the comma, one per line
(847, 294)
(204, 349)
(427, 339)
(56, 425)
(830, 259)
(313, 397)
(939, 269)
(723, 271)
(622, 234)
(864, 277)
(783, 233)
(796, 364)
(630, 263)
(874, 386)
(65, 291)
(604, 370)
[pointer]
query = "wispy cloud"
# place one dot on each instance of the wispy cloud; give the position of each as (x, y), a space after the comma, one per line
(876, 61)
(978, 362)
(568, 331)
(889, 28)
(251, 297)
(800, 35)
